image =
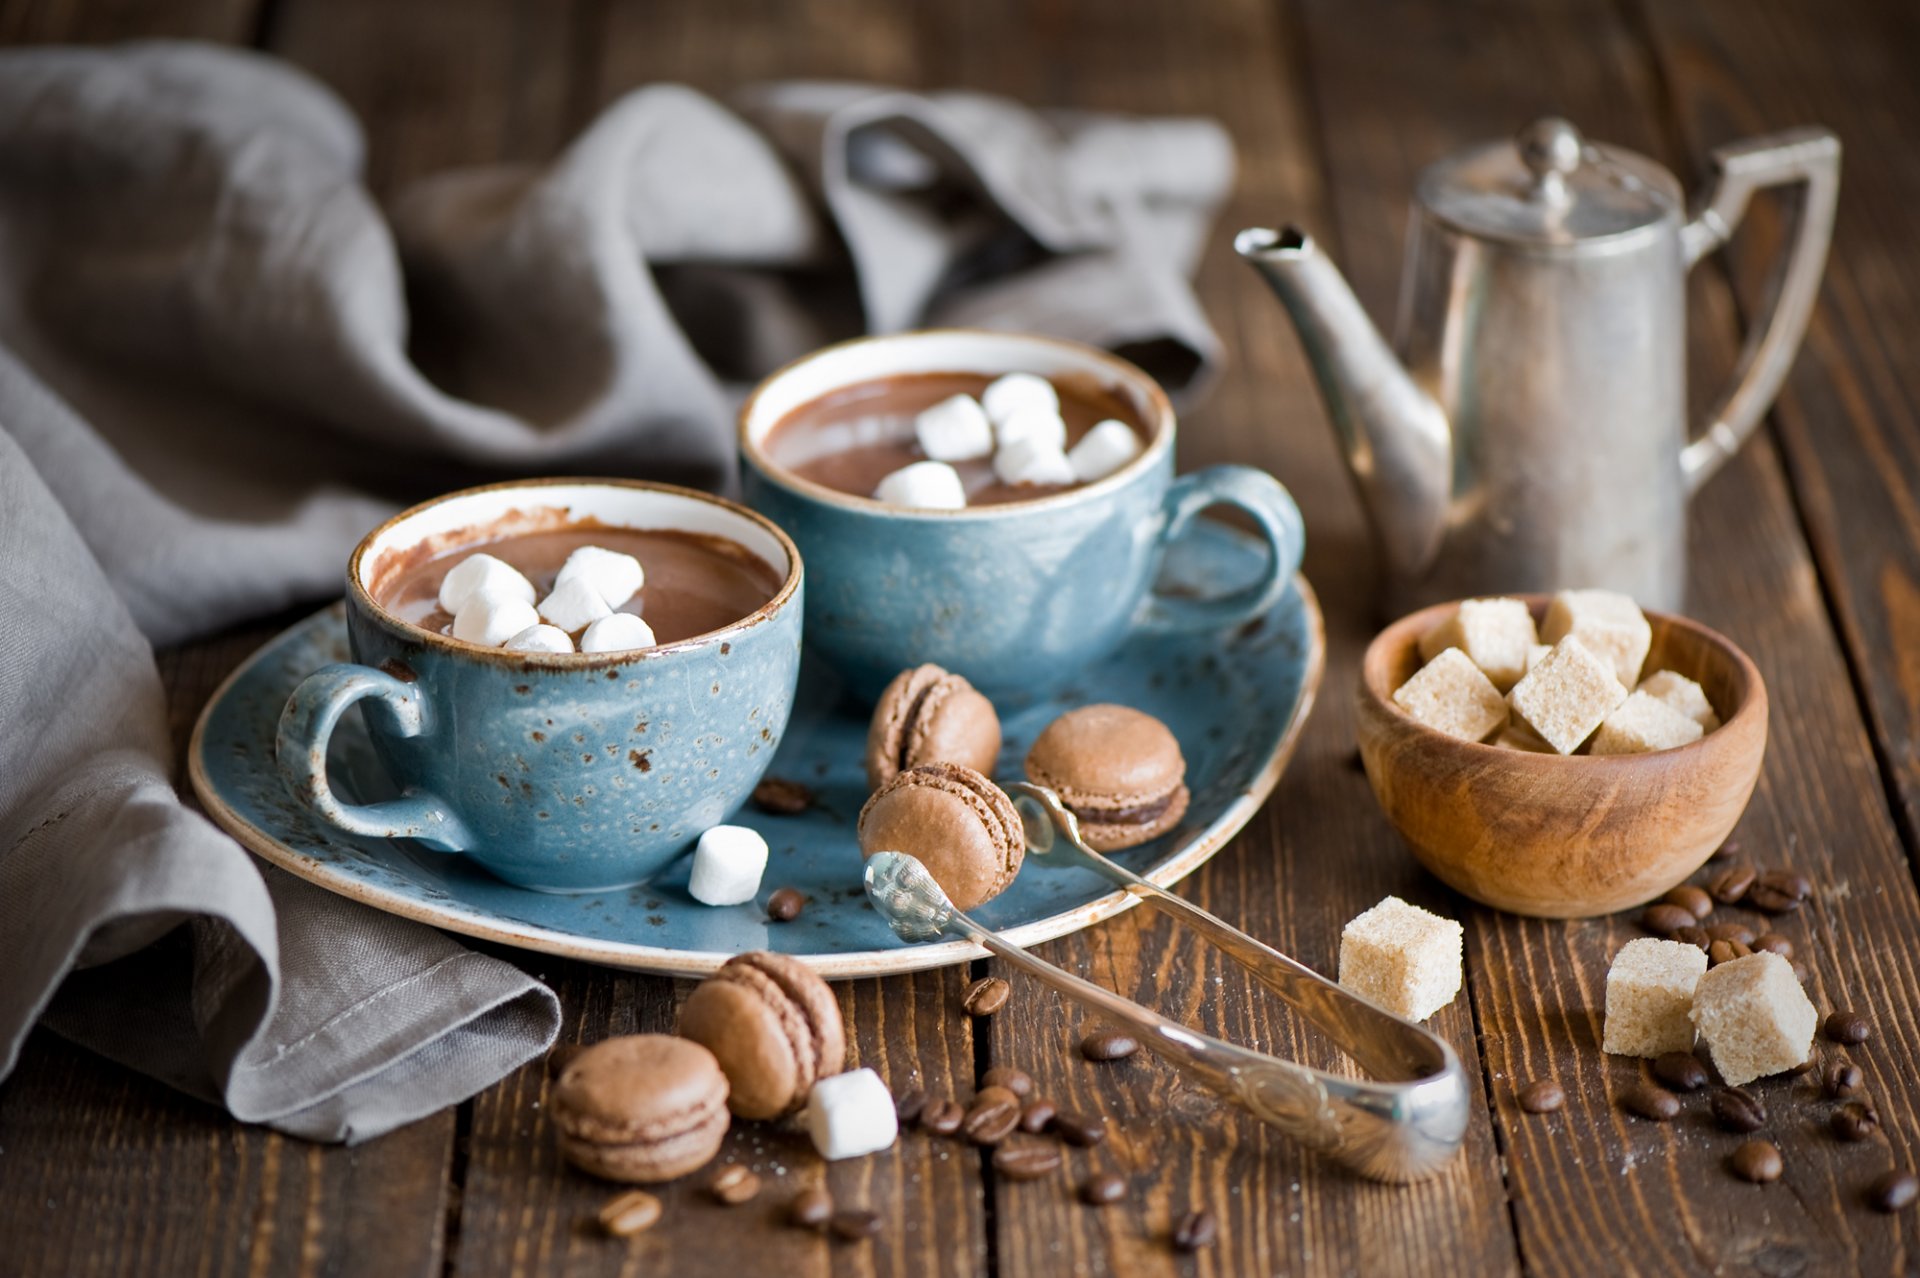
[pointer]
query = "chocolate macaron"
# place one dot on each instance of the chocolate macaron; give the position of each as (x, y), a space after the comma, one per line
(773, 1025)
(927, 715)
(960, 825)
(1118, 769)
(641, 1108)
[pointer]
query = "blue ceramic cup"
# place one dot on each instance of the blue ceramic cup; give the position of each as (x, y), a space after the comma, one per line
(568, 772)
(1019, 597)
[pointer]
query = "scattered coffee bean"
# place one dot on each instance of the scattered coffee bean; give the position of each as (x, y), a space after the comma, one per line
(1028, 1160)
(1108, 1045)
(1017, 1081)
(631, 1213)
(1773, 943)
(1692, 936)
(1725, 952)
(734, 1184)
(1542, 1096)
(785, 904)
(1037, 1116)
(855, 1225)
(1757, 1161)
(991, 1118)
(812, 1207)
(1730, 848)
(942, 1117)
(781, 797)
(562, 1056)
(1847, 1027)
(1841, 1079)
(1853, 1122)
(1893, 1191)
(1693, 900)
(1080, 1129)
(1651, 1101)
(1731, 932)
(910, 1104)
(1665, 920)
(1739, 1110)
(986, 996)
(1779, 892)
(1681, 1071)
(1104, 1188)
(1196, 1230)
(1731, 885)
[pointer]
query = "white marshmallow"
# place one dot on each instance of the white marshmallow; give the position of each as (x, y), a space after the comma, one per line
(1041, 425)
(621, 632)
(540, 639)
(482, 572)
(954, 430)
(1030, 461)
(614, 576)
(851, 1114)
(727, 866)
(1103, 450)
(1019, 392)
(574, 605)
(490, 619)
(927, 485)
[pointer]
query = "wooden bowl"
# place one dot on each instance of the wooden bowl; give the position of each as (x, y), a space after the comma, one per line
(1573, 836)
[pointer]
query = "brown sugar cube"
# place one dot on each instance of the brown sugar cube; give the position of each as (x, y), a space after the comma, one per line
(1494, 633)
(1403, 958)
(1450, 695)
(1642, 724)
(1650, 995)
(1518, 736)
(1565, 697)
(1536, 652)
(1608, 622)
(1754, 1017)
(1684, 695)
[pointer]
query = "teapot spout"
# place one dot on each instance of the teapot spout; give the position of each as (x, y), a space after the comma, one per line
(1394, 434)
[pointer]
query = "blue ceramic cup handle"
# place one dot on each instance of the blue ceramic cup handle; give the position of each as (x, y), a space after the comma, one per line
(1272, 508)
(306, 726)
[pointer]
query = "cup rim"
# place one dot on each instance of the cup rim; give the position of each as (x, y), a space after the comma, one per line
(1160, 411)
(371, 607)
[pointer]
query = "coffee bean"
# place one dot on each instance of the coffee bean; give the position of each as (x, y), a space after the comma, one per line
(1692, 936)
(1079, 1129)
(1841, 1079)
(1027, 1161)
(1792, 882)
(630, 1214)
(1731, 885)
(942, 1117)
(1693, 900)
(1664, 919)
(1893, 1191)
(1738, 1110)
(1847, 1027)
(991, 1118)
(1730, 848)
(1542, 1096)
(1682, 1071)
(1108, 1045)
(1757, 1161)
(986, 996)
(1853, 1122)
(1731, 932)
(909, 1105)
(1014, 1080)
(1196, 1230)
(1725, 952)
(562, 1056)
(1098, 1191)
(855, 1225)
(1651, 1101)
(1779, 892)
(812, 1207)
(781, 797)
(1037, 1116)
(785, 904)
(734, 1184)
(1773, 943)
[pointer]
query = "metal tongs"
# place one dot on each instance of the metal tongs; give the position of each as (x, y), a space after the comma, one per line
(1403, 1128)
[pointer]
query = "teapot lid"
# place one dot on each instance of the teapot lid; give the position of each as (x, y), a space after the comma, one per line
(1549, 187)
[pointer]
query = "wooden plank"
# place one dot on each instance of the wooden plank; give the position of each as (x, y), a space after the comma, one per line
(1592, 1182)
(92, 21)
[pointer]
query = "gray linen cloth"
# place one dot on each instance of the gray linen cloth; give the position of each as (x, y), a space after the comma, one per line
(221, 361)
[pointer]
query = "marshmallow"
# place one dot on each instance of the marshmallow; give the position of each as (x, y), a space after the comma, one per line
(1018, 392)
(851, 1114)
(621, 632)
(615, 577)
(477, 573)
(1042, 425)
(1103, 450)
(574, 605)
(928, 485)
(492, 619)
(727, 866)
(1029, 461)
(540, 639)
(954, 430)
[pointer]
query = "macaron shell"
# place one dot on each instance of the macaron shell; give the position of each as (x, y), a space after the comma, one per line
(956, 822)
(1111, 836)
(758, 1035)
(1106, 756)
(639, 1087)
(890, 713)
(650, 1162)
(927, 715)
(816, 1001)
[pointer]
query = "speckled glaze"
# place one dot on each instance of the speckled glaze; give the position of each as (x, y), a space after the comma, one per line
(1019, 598)
(562, 773)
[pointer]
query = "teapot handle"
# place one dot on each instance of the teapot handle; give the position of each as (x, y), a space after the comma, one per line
(1809, 155)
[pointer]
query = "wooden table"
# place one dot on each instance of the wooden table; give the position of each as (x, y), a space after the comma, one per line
(1807, 551)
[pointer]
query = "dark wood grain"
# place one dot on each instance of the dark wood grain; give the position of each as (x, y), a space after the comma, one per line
(90, 21)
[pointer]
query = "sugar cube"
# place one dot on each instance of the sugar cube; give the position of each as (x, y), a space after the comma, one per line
(1608, 622)
(1450, 695)
(1518, 736)
(1684, 695)
(1403, 958)
(1565, 697)
(851, 1114)
(727, 865)
(1754, 1016)
(1649, 995)
(1494, 633)
(1537, 651)
(1641, 724)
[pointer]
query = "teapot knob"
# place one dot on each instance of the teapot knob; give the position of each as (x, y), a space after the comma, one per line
(1551, 148)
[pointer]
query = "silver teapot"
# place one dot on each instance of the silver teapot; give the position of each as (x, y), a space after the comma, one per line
(1532, 433)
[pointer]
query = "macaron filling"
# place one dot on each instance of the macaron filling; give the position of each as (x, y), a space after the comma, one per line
(1138, 814)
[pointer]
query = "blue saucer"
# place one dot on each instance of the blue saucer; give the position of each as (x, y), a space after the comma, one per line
(1236, 701)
